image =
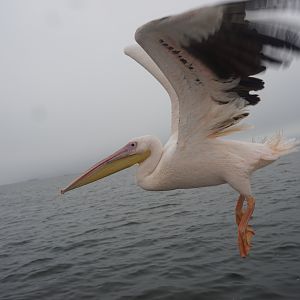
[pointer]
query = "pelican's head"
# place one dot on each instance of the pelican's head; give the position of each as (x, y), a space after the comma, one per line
(135, 152)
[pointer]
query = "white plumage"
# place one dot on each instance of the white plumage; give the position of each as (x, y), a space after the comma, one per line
(197, 119)
(206, 59)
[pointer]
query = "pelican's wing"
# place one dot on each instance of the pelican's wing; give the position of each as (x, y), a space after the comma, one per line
(209, 56)
(139, 55)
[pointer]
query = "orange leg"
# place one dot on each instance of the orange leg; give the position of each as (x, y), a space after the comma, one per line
(245, 231)
(239, 209)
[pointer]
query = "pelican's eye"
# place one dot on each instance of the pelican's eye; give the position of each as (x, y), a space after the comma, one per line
(131, 147)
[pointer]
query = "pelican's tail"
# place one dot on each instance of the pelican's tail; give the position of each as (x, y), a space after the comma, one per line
(281, 146)
(273, 148)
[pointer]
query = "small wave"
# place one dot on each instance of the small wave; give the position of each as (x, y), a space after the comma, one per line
(182, 213)
(158, 293)
(160, 206)
(37, 262)
(59, 268)
(174, 194)
(4, 255)
(11, 278)
(287, 247)
(141, 243)
(83, 243)
(141, 270)
(235, 276)
(93, 230)
(270, 295)
(284, 164)
(19, 243)
(132, 223)
(291, 180)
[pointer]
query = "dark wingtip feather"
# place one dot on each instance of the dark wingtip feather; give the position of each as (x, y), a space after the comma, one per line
(247, 85)
(252, 99)
(272, 4)
(252, 83)
(239, 49)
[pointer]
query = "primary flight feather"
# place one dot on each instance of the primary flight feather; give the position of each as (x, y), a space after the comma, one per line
(207, 60)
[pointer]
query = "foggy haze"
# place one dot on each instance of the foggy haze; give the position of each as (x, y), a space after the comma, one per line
(69, 96)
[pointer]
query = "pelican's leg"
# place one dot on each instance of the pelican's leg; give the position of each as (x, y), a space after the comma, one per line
(245, 231)
(239, 209)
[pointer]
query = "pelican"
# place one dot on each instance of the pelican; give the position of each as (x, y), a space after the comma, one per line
(206, 59)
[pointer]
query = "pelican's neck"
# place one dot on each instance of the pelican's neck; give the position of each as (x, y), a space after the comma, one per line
(147, 167)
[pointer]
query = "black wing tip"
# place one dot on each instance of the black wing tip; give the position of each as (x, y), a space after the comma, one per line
(240, 8)
(240, 48)
(271, 4)
(245, 86)
(252, 83)
(252, 99)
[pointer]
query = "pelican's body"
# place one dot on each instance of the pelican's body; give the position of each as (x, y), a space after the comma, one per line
(218, 162)
(206, 60)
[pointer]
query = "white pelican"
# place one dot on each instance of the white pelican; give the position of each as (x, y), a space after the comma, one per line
(206, 59)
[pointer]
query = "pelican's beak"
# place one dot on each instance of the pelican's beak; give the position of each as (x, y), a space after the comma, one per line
(116, 162)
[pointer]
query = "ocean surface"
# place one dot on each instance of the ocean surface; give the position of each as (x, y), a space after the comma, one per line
(112, 240)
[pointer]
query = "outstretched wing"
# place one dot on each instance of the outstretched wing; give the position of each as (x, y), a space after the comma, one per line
(139, 55)
(210, 55)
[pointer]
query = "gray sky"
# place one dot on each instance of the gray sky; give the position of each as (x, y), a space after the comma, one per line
(69, 96)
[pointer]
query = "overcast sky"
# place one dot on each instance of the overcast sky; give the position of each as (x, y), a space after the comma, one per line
(69, 96)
